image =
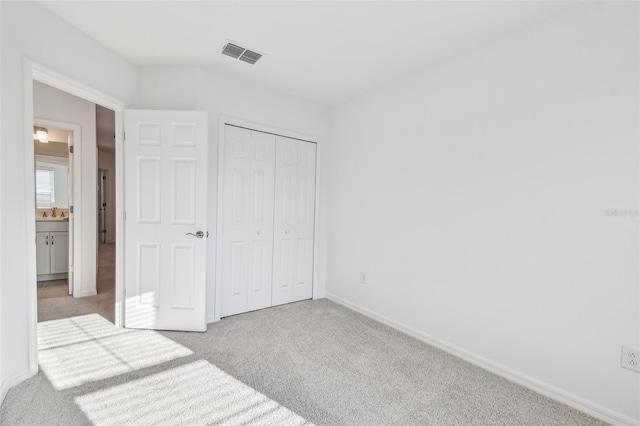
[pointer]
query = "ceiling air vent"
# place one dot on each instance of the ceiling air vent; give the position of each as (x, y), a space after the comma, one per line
(250, 57)
(238, 52)
(232, 50)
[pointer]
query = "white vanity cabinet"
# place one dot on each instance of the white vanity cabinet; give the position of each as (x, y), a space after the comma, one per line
(52, 249)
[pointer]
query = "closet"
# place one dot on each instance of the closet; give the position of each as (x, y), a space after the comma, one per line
(268, 215)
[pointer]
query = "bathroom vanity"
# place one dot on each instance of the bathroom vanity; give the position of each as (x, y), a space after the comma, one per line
(52, 248)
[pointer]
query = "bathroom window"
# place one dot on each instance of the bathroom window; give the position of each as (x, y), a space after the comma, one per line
(45, 188)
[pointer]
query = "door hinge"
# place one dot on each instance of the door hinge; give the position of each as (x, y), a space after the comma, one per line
(125, 215)
(71, 149)
(124, 136)
(70, 209)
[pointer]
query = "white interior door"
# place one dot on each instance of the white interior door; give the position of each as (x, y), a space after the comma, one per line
(247, 217)
(165, 219)
(294, 220)
(71, 216)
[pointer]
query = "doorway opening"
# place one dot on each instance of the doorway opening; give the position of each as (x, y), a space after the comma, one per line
(75, 275)
(53, 197)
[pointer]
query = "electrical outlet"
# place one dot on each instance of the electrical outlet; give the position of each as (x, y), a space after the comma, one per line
(630, 358)
(363, 278)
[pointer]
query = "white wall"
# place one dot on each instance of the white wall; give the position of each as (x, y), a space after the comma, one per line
(200, 89)
(474, 196)
(52, 104)
(3, 382)
(64, 49)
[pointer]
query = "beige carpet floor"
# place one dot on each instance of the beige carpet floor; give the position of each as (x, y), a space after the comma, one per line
(326, 363)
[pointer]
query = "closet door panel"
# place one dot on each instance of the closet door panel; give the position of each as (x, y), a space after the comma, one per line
(261, 224)
(247, 232)
(285, 220)
(305, 216)
(294, 220)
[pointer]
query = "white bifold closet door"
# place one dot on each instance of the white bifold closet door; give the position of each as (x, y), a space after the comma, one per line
(268, 207)
(247, 240)
(295, 197)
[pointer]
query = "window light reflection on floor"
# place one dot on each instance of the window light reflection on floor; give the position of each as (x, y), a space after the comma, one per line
(83, 349)
(197, 393)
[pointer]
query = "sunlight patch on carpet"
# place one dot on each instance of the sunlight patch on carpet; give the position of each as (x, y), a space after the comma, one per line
(198, 393)
(78, 350)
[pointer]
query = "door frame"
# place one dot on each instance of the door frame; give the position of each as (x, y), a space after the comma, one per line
(75, 169)
(34, 71)
(318, 289)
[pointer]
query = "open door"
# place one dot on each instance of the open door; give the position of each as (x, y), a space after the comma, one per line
(165, 156)
(70, 273)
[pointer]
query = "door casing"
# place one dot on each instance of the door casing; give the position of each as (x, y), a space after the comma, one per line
(75, 163)
(34, 71)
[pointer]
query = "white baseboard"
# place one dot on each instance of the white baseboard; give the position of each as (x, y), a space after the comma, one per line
(12, 381)
(535, 385)
(87, 294)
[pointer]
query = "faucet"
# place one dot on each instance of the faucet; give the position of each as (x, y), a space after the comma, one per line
(53, 211)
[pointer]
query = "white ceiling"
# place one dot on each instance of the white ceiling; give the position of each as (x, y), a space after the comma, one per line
(326, 52)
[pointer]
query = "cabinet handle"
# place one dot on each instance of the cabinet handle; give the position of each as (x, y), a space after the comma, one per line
(52, 240)
(47, 240)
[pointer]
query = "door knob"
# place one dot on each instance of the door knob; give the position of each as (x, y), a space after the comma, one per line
(259, 231)
(198, 234)
(286, 231)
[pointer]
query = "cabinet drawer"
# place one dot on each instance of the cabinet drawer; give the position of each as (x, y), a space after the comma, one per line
(52, 226)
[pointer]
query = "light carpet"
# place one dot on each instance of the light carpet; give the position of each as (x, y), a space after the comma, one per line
(328, 364)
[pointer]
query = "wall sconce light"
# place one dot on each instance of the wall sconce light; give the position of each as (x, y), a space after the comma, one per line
(41, 134)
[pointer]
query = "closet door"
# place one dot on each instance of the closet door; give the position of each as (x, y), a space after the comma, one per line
(294, 220)
(247, 232)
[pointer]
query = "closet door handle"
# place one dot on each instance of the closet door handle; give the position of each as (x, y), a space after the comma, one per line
(52, 240)
(259, 231)
(286, 231)
(47, 240)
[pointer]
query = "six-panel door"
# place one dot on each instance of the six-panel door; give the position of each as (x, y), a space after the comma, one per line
(247, 214)
(294, 220)
(165, 207)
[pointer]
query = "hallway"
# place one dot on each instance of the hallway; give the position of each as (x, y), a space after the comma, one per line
(55, 303)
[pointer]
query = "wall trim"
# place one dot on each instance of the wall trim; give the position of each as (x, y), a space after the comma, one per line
(528, 382)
